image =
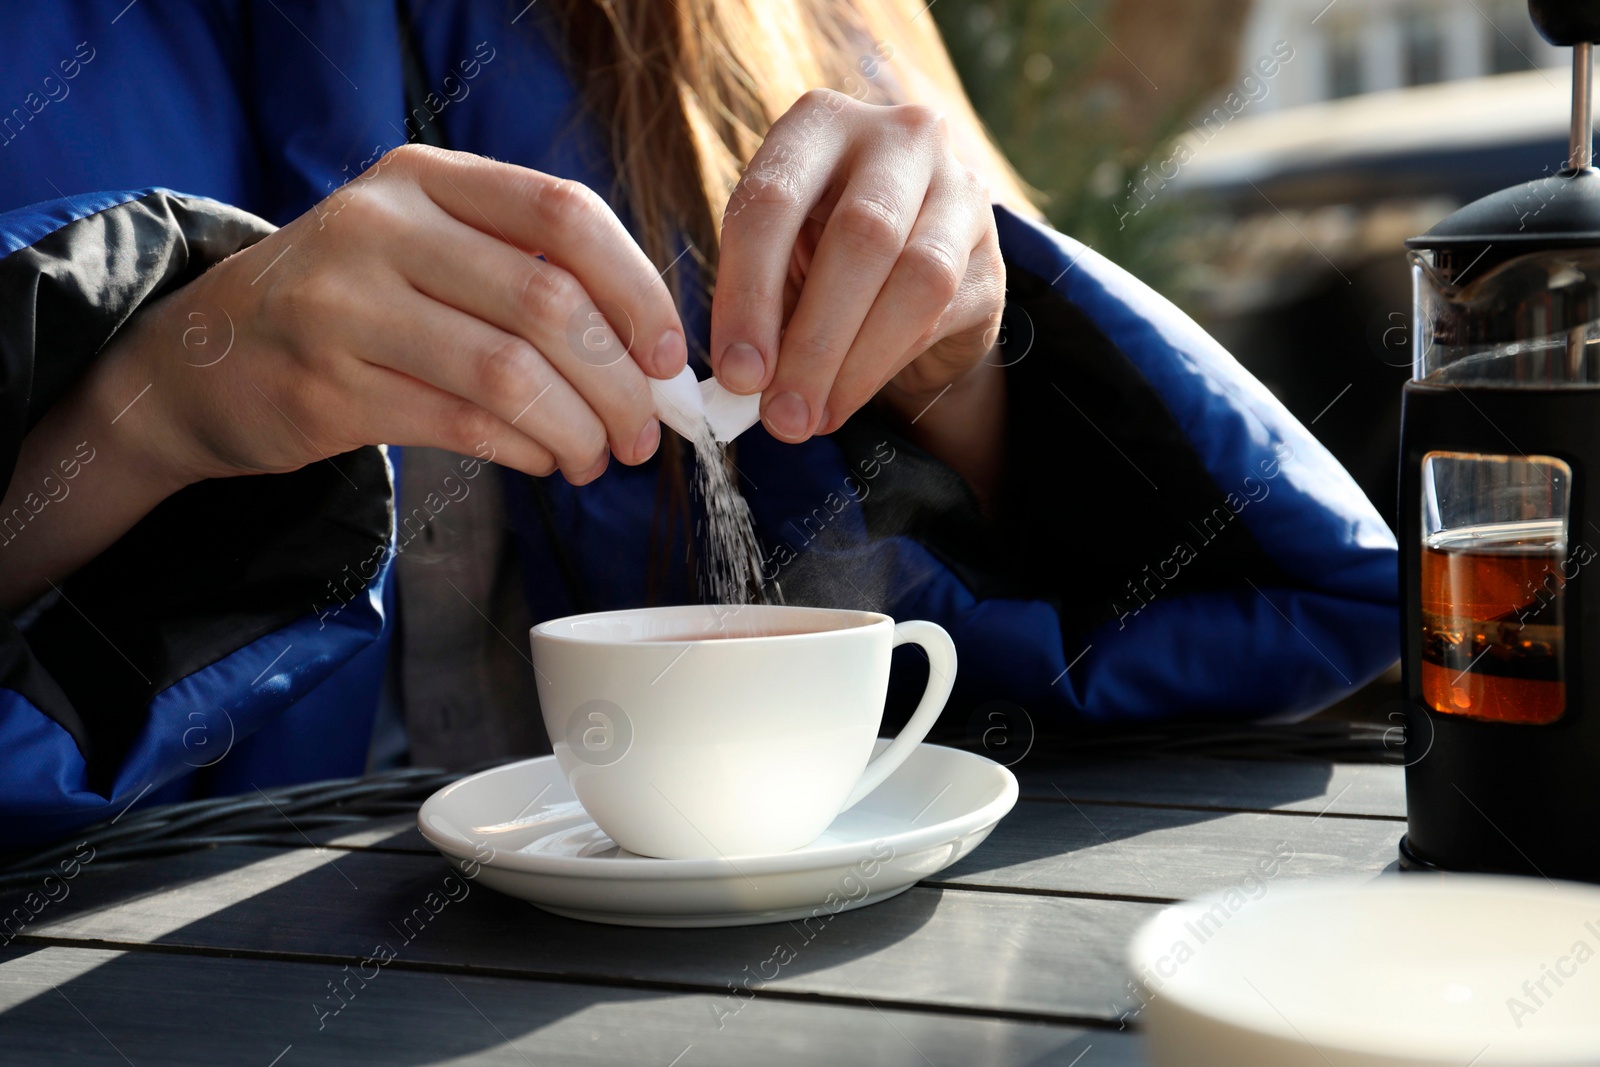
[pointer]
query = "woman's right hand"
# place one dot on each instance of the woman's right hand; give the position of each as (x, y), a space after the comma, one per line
(439, 299)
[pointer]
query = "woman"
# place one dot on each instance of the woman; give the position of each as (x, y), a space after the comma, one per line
(965, 417)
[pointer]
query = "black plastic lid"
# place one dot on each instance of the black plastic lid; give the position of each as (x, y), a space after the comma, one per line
(1558, 211)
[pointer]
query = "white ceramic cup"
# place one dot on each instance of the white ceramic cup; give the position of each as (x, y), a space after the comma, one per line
(706, 730)
(1410, 971)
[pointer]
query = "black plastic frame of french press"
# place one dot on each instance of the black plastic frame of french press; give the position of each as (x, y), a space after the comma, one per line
(1504, 797)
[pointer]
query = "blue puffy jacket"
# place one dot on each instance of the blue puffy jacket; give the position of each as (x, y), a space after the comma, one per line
(1172, 543)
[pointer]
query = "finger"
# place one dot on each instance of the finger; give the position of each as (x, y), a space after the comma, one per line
(786, 178)
(570, 225)
(924, 375)
(938, 283)
(498, 372)
(548, 308)
(405, 411)
(879, 203)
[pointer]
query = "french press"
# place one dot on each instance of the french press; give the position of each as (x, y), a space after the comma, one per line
(1500, 517)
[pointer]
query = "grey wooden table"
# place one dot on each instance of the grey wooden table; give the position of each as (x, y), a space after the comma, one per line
(252, 954)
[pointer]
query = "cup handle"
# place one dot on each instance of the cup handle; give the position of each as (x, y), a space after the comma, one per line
(941, 653)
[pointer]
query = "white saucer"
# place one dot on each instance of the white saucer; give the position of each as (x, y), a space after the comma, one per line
(530, 838)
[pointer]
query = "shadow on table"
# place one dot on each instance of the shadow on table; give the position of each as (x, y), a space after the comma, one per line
(1075, 829)
(147, 1007)
(293, 911)
(1181, 781)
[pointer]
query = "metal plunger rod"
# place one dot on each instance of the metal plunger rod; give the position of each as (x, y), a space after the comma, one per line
(1582, 141)
(1582, 155)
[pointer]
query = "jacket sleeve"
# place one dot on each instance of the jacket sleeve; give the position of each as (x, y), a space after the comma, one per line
(1173, 543)
(222, 607)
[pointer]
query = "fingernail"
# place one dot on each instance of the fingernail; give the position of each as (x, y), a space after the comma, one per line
(670, 354)
(789, 416)
(741, 369)
(826, 420)
(649, 438)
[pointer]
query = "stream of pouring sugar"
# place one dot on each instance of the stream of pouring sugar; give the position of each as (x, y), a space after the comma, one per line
(730, 555)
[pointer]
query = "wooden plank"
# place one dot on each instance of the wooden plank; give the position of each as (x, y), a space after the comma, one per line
(68, 1006)
(1368, 789)
(1026, 956)
(1110, 850)
(1167, 853)
(397, 833)
(1302, 789)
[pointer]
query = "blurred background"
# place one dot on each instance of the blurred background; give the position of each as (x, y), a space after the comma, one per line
(1262, 162)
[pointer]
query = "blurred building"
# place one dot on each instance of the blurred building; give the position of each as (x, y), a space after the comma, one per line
(1263, 162)
(1386, 98)
(1302, 183)
(1348, 47)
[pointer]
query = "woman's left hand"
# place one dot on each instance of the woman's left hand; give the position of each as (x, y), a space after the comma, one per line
(857, 251)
